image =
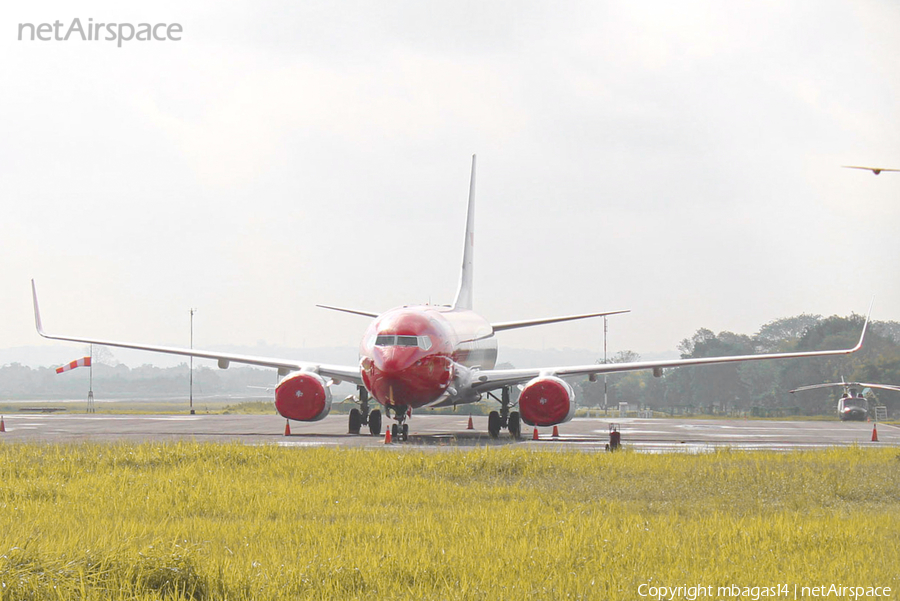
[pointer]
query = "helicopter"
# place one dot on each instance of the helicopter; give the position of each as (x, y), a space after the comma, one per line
(853, 405)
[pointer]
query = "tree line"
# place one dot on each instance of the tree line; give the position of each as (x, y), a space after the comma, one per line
(762, 387)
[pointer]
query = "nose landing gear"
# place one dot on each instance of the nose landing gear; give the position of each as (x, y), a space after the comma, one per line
(401, 428)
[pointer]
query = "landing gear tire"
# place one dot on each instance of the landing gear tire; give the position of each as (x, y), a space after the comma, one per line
(394, 431)
(494, 424)
(404, 432)
(515, 425)
(375, 423)
(355, 421)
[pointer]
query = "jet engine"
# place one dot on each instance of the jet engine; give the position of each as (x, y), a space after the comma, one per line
(304, 397)
(546, 401)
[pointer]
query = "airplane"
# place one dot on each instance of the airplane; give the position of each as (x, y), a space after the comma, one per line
(875, 170)
(417, 356)
(853, 405)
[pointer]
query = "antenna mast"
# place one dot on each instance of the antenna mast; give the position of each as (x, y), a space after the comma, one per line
(192, 361)
(90, 407)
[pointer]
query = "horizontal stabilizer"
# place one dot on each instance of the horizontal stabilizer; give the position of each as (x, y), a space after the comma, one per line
(354, 311)
(511, 325)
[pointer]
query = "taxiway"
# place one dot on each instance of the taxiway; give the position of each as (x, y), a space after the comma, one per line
(449, 431)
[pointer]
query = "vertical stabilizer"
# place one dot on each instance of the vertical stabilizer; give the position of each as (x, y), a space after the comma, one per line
(464, 293)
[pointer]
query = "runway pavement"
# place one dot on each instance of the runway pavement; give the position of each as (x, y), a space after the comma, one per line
(449, 431)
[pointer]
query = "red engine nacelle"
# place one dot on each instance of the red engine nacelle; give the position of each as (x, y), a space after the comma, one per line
(546, 401)
(303, 397)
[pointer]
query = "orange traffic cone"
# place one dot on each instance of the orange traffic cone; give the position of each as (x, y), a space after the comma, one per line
(874, 432)
(2, 425)
(387, 435)
(555, 431)
(535, 435)
(471, 426)
(287, 427)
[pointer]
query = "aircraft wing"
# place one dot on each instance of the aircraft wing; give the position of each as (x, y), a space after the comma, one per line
(338, 373)
(485, 380)
(875, 170)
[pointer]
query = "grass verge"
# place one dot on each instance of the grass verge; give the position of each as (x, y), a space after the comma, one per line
(210, 521)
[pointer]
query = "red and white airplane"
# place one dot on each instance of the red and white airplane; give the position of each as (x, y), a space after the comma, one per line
(434, 356)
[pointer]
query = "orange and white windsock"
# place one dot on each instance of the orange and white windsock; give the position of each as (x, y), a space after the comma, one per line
(83, 362)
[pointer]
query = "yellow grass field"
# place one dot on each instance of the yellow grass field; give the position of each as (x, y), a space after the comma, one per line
(205, 521)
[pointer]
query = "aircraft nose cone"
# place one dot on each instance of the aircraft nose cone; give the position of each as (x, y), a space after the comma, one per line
(404, 377)
(391, 362)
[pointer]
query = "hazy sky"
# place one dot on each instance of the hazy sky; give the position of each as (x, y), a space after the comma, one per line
(681, 160)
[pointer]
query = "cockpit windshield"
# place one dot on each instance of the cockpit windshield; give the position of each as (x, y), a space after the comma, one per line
(422, 342)
(384, 340)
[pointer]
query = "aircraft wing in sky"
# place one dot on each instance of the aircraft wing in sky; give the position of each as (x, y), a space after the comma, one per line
(875, 170)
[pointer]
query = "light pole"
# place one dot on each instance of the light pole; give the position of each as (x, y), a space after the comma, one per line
(192, 361)
(605, 377)
(91, 386)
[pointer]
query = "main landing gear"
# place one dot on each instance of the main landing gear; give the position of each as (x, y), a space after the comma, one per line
(363, 417)
(401, 428)
(497, 420)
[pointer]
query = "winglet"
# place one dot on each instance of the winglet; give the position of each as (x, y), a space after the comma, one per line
(464, 293)
(37, 311)
(865, 326)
